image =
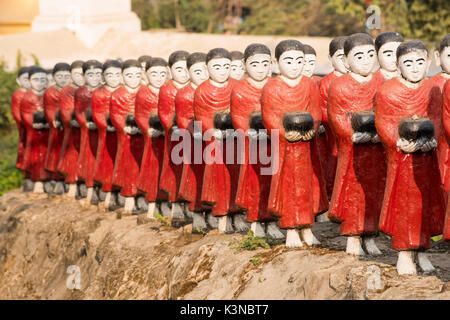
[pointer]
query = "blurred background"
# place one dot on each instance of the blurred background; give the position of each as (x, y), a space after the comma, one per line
(45, 32)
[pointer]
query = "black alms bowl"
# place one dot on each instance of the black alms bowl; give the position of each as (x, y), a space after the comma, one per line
(363, 121)
(89, 117)
(298, 121)
(39, 117)
(413, 129)
(130, 121)
(256, 121)
(222, 121)
(155, 123)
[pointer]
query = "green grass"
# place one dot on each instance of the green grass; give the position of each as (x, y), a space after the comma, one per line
(10, 177)
(250, 242)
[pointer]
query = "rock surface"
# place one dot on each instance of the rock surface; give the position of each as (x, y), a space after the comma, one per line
(130, 258)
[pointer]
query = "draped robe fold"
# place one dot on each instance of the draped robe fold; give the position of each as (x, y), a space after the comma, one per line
(56, 135)
(16, 99)
(446, 124)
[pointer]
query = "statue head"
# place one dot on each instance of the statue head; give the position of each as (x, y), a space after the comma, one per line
(412, 60)
(218, 62)
(237, 69)
(92, 70)
(290, 55)
(196, 64)
(22, 78)
(386, 45)
(132, 73)
(157, 72)
(61, 74)
(257, 61)
(310, 61)
(336, 54)
(112, 73)
(144, 61)
(50, 80)
(76, 72)
(360, 56)
(38, 79)
(443, 55)
(178, 67)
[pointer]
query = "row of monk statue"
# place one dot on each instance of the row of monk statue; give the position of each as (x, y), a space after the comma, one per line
(239, 141)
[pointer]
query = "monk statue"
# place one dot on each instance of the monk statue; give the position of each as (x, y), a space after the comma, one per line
(310, 63)
(446, 122)
(386, 45)
(408, 121)
(237, 65)
(144, 61)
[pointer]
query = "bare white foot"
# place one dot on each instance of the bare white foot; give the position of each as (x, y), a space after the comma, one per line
(424, 262)
(225, 224)
(90, 192)
(108, 200)
(72, 190)
(258, 229)
(354, 246)
(323, 217)
(293, 239)
(308, 237)
(38, 187)
(405, 263)
(274, 231)
(371, 246)
(151, 210)
(129, 205)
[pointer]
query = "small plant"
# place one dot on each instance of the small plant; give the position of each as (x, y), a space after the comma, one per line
(251, 243)
(256, 260)
(164, 220)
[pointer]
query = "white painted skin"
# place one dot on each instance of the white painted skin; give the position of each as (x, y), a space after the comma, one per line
(219, 71)
(38, 82)
(78, 77)
(72, 190)
(258, 68)
(405, 263)
(414, 66)
(23, 81)
(129, 201)
(132, 77)
(113, 77)
(39, 185)
(387, 56)
(258, 229)
(50, 80)
(360, 61)
(424, 262)
(293, 239)
(237, 70)
(354, 246)
(310, 65)
(93, 78)
(291, 64)
(62, 79)
(443, 61)
(371, 246)
(337, 61)
(308, 237)
(180, 73)
(157, 77)
(198, 73)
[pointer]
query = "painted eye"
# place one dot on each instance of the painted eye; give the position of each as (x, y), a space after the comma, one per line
(371, 55)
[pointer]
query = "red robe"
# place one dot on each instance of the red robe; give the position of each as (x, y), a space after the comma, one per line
(414, 201)
(220, 180)
(153, 155)
(68, 161)
(192, 176)
(446, 122)
(107, 141)
(295, 181)
(253, 187)
(56, 136)
(129, 147)
(171, 172)
(316, 79)
(16, 99)
(361, 170)
(443, 150)
(37, 140)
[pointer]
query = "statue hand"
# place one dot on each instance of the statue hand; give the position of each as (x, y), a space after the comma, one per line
(176, 131)
(127, 130)
(375, 138)
(308, 135)
(429, 145)
(407, 146)
(218, 134)
(110, 129)
(38, 126)
(252, 133)
(321, 129)
(361, 137)
(292, 136)
(91, 125)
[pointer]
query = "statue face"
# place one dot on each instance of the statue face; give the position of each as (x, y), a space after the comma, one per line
(93, 77)
(337, 60)
(198, 73)
(291, 63)
(387, 56)
(414, 65)
(132, 77)
(361, 59)
(38, 81)
(157, 76)
(23, 81)
(237, 69)
(62, 78)
(310, 64)
(219, 69)
(77, 76)
(180, 72)
(113, 77)
(258, 66)
(444, 59)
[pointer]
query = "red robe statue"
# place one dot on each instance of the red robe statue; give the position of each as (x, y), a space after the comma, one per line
(107, 141)
(446, 122)
(129, 147)
(16, 99)
(414, 201)
(68, 162)
(294, 183)
(220, 180)
(153, 156)
(37, 140)
(361, 170)
(171, 172)
(55, 140)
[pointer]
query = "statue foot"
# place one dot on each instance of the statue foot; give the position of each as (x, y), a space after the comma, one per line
(151, 210)
(72, 192)
(129, 205)
(59, 188)
(38, 187)
(274, 231)
(308, 237)
(405, 263)
(28, 185)
(66, 187)
(95, 199)
(49, 186)
(424, 262)
(293, 239)
(165, 208)
(101, 195)
(89, 195)
(354, 246)
(178, 218)
(199, 223)
(258, 229)
(142, 204)
(225, 224)
(212, 221)
(323, 217)
(240, 223)
(371, 246)
(82, 190)
(188, 214)
(120, 200)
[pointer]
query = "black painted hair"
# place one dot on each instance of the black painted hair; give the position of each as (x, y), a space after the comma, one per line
(76, 64)
(194, 58)
(130, 63)
(309, 49)
(255, 48)
(336, 44)
(287, 45)
(145, 58)
(409, 46)
(61, 66)
(176, 56)
(49, 71)
(386, 37)
(445, 42)
(35, 69)
(236, 55)
(218, 53)
(22, 70)
(156, 62)
(111, 64)
(92, 64)
(357, 39)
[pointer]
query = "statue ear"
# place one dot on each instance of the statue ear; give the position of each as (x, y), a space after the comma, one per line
(437, 58)
(346, 64)
(428, 65)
